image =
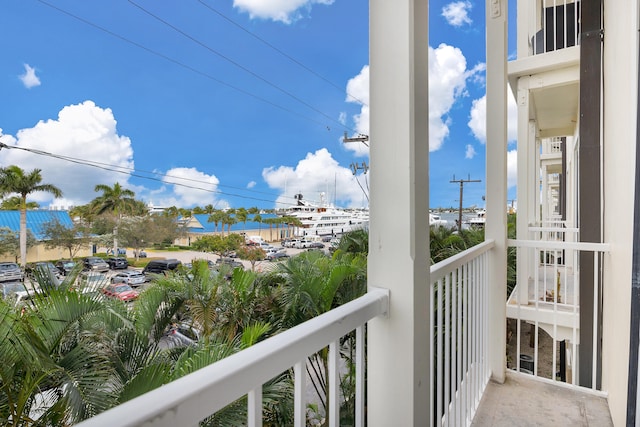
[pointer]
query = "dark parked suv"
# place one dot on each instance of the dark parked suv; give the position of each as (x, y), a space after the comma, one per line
(93, 263)
(161, 266)
(117, 263)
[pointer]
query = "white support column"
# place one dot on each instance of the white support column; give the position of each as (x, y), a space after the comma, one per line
(398, 346)
(524, 196)
(525, 25)
(496, 225)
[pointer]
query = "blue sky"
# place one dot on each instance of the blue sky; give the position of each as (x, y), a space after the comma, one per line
(224, 102)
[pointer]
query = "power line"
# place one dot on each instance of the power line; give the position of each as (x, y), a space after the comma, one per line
(237, 64)
(185, 66)
(289, 57)
(134, 173)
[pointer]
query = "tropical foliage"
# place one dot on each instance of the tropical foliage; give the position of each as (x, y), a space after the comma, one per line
(58, 235)
(71, 353)
(14, 180)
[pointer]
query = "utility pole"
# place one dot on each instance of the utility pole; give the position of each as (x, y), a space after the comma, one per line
(462, 182)
(361, 138)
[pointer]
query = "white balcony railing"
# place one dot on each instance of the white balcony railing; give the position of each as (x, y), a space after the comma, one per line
(459, 364)
(555, 26)
(460, 369)
(551, 146)
(547, 299)
(190, 399)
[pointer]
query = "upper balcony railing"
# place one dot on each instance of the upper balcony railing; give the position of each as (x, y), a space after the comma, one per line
(551, 146)
(459, 365)
(554, 24)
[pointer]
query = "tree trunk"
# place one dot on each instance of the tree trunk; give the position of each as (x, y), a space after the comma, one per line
(115, 240)
(23, 234)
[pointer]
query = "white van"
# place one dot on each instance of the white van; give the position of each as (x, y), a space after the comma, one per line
(303, 243)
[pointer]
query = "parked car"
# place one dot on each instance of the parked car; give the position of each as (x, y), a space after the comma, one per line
(129, 277)
(274, 256)
(24, 298)
(178, 337)
(92, 279)
(161, 266)
(303, 244)
(65, 266)
(265, 246)
(42, 267)
(229, 261)
(118, 263)
(121, 291)
(94, 263)
(10, 271)
(316, 245)
(9, 289)
(141, 254)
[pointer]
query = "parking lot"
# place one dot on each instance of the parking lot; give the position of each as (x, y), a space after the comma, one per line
(183, 256)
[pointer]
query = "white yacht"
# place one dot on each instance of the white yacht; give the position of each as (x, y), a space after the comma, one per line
(324, 219)
(478, 220)
(437, 221)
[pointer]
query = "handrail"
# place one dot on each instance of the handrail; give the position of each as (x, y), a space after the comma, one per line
(451, 264)
(551, 244)
(188, 400)
(459, 358)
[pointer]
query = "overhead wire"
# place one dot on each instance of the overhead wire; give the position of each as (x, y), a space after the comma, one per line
(188, 67)
(137, 173)
(237, 64)
(280, 51)
(131, 171)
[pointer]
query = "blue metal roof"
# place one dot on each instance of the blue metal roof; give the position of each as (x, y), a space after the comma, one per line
(202, 225)
(35, 220)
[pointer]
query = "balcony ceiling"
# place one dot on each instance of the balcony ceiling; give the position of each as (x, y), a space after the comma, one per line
(553, 82)
(555, 110)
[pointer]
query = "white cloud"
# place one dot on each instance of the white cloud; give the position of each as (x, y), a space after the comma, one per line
(187, 187)
(512, 168)
(317, 173)
(478, 118)
(29, 78)
(358, 93)
(447, 83)
(83, 131)
(88, 133)
(477, 124)
(251, 184)
(457, 13)
(470, 153)
(285, 11)
(448, 75)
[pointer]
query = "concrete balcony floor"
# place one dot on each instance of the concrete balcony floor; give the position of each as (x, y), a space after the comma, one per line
(525, 401)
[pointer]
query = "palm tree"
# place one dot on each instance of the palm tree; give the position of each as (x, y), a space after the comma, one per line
(257, 218)
(49, 356)
(216, 218)
(314, 284)
(242, 216)
(14, 180)
(117, 201)
(228, 220)
(14, 203)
